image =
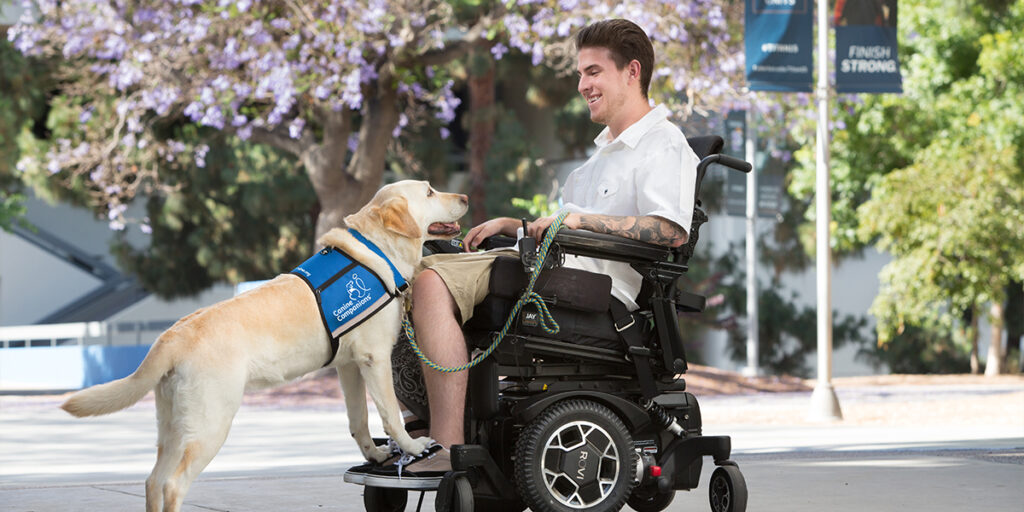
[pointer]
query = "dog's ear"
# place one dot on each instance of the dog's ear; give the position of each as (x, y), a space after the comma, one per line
(395, 216)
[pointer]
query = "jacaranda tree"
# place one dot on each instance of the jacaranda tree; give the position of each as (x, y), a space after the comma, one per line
(330, 82)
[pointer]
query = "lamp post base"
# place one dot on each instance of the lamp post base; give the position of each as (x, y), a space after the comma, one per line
(825, 404)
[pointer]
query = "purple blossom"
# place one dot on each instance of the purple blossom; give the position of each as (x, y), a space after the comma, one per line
(214, 117)
(447, 103)
(295, 127)
(499, 50)
(85, 116)
(200, 155)
(244, 132)
(403, 120)
(194, 111)
(125, 75)
(115, 210)
(538, 53)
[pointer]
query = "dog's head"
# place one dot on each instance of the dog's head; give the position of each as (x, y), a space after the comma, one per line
(412, 209)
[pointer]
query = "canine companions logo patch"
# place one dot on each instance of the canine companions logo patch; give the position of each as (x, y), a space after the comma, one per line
(347, 291)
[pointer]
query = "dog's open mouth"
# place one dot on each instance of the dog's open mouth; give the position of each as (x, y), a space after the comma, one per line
(444, 229)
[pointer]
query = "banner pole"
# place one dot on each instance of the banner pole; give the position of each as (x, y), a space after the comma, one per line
(824, 403)
(751, 370)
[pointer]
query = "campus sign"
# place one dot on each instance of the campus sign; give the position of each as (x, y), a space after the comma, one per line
(778, 44)
(866, 58)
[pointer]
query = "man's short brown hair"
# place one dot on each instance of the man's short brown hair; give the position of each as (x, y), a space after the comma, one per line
(626, 41)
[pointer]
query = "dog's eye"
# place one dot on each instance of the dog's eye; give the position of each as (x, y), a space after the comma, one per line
(430, 192)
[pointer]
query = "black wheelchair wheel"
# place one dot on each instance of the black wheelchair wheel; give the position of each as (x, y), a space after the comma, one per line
(650, 500)
(577, 455)
(380, 499)
(727, 490)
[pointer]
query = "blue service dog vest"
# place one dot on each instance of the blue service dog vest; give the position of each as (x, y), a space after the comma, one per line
(347, 292)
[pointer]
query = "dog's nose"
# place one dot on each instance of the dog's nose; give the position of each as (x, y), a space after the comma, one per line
(464, 199)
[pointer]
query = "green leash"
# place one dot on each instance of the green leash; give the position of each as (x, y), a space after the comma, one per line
(547, 322)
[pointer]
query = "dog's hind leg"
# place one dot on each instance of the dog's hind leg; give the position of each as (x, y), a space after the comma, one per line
(354, 392)
(196, 427)
(166, 438)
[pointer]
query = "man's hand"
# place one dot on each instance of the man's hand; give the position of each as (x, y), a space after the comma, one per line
(537, 227)
(500, 226)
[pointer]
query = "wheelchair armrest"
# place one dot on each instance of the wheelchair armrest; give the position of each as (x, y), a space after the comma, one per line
(497, 242)
(610, 247)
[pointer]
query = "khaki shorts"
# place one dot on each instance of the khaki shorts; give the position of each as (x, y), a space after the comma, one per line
(467, 276)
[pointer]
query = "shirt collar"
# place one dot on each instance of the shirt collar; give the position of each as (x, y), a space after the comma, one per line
(631, 136)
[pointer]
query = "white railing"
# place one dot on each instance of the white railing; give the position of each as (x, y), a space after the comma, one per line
(81, 333)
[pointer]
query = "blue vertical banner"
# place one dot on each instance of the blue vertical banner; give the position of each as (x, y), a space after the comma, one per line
(866, 56)
(779, 44)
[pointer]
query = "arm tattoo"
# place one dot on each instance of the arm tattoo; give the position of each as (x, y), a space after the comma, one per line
(650, 229)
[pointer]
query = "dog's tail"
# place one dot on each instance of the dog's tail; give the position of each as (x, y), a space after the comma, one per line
(122, 393)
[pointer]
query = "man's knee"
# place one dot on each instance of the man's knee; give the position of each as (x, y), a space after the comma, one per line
(430, 292)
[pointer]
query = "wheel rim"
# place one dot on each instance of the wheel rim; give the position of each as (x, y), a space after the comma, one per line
(720, 496)
(580, 464)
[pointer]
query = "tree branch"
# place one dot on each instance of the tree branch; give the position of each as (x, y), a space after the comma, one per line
(451, 51)
(278, 139)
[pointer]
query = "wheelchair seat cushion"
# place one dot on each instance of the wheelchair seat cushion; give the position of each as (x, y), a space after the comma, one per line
(561, 287)
(578, 301)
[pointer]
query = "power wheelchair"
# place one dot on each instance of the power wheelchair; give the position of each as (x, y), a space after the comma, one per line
(596, 416)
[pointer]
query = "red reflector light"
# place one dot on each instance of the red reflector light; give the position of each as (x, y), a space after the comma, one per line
(655, 471)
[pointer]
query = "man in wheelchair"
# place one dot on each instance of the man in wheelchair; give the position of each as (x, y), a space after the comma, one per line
(594, 409)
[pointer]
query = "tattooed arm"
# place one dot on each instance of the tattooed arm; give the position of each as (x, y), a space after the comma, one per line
(650, 229)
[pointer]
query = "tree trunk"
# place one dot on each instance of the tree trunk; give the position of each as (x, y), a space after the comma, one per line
(481, 130)
(341, 189)
(972, 333)
(1014, 326)
(994, 363)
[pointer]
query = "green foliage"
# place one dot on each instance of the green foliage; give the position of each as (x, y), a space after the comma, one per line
(921, 350)
(539, 205)
(246, 216)
(954, 224)
(514, 168)
(23, 84)
(787, 331)
(935, 176)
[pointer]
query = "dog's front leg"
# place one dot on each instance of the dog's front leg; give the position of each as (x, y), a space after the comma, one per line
(376, 370)
(355, 402)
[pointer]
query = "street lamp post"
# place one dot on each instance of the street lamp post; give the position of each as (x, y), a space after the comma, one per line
(824, 403)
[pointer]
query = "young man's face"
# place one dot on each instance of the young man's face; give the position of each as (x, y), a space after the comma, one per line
(603, 86)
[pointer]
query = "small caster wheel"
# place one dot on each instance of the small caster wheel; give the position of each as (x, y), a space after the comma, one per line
(380, 499)
(650, 500)
(455, 494)
(728, 490)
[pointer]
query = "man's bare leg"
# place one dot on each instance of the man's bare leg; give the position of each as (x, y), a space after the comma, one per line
(439, 335)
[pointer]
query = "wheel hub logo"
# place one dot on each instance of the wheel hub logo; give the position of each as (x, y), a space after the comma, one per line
(581, 465)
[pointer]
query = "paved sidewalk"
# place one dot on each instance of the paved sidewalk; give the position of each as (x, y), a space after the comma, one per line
(292, 458)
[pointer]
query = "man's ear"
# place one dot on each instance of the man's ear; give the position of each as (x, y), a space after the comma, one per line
(634, 69)
(395, 216)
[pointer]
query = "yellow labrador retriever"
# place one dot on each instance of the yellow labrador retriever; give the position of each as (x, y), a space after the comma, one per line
(202, 365)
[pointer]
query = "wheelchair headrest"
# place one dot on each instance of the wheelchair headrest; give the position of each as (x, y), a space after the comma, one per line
(706, 145)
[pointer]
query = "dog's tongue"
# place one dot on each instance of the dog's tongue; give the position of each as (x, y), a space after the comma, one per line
(444, 228)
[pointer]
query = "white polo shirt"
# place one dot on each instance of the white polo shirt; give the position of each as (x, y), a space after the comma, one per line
(649, 169)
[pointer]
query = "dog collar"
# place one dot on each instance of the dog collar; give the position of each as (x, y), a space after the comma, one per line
(400, 283)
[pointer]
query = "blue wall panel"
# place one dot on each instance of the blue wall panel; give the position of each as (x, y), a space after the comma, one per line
(67, 367)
